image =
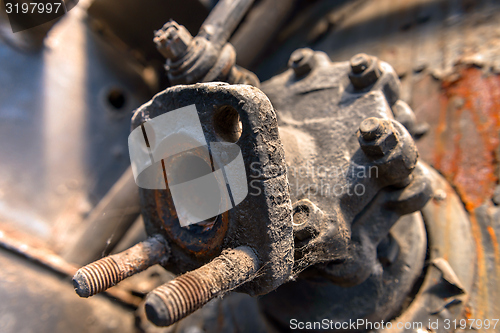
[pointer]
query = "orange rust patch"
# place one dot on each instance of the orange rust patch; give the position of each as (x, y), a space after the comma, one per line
(494, 239)
(468, 312)
(466, 136)
(463, 144)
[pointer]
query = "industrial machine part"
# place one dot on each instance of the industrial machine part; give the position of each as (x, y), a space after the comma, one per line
(206, 57)
(105, 273)
(370, 276)
(329, 226)
(259, 228)
(324, 202)
(331, 187)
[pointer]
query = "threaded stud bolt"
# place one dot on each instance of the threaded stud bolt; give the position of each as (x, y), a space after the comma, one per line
(107, 272)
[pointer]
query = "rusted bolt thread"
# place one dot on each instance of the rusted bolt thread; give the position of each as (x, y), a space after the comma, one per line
(96, 277)
(107, 272)
(185, 294)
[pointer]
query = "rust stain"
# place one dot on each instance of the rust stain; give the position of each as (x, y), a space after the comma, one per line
(32, 249)
(466, 139)
(468, 312)
(494, 239)
(207, 244)
(463, 145)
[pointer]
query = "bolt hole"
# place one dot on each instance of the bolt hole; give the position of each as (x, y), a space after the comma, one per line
(117, 98)
(227, 124)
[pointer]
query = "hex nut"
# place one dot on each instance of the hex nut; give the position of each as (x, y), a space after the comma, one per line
(360, 62)
(371, 129)
(302, 62)
(365, 71)
(381, 141)
(172, 40)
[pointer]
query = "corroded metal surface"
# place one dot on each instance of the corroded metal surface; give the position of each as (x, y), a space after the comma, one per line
(463, 144)
(63, 143)
(207, 57)
(447, 56)
(34, 250)
(463, 141)
(107, 272)
(321, 110)
(180, 297)
(261, 221)
(107, 223)
(315, 299)
(446, 53)
(349, 126)
(448, 283)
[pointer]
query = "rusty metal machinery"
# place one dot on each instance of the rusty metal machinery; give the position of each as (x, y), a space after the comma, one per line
(335, 227)
(334, 178)
(206, 57)
(345, 227)
(331, 226)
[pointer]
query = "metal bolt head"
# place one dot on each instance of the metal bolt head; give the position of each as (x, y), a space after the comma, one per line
(300, 223)
(360, 62)
(172, 40)
(305, 220)
(365, 71)
(371, 128)
(302, 61)
(377, 137)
